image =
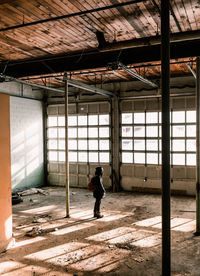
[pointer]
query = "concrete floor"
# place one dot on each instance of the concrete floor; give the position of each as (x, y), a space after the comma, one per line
(127, 241)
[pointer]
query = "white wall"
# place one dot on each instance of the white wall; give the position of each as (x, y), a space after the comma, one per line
(27, 166)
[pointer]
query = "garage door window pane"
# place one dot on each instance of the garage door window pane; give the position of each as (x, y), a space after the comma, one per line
(178, 159)
(61, 144)
(178, 117)
(104, 144)
(152, 131)
(72, 155)
(61, 133)
(139, 118)
(52, 144)
(127, 157)
(104, 157)
(191, 131)
(139, 158)
(139, 145)
(127, 118)
(93, 145)
(61, 156)
(52, 133)
(53, 156)
(127, 131)
(82, 156)
(72, 132)
(178, 131)
(152, 117)
(52, 121)
(93, 120)
(127, 144)
(61, 121)
(139, 131)
(82, 144)
(152, 158)
(103, 119)
(191, 116)
(191, 145)
(93, 132)
(191, 159)
(178, 145)
(152, 145)
(72, 121)
(93, 157)
(104, 132)
(82, 132)
(82, 120)
(72, 145)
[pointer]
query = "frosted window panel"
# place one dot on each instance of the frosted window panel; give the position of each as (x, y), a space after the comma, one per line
(191, 131)
(82, 144)
(152, 131)
(93, 157)
(127, 131)
(139, 118)
(61, 156)
(152, 158)
(104, 145)
(127, 144)
(160, 117)
(82, 132)
(160, 144)
(103, 119)
(191, 145)
(93, 120)
(178, 159)
(52, 133)
(152, 117)
(139, 158)
(93, 132)
(104, 132)
(139, 145)
(72, 132)
(178, 145)
(191, 116)
(93, 144)
(160, 131)
(152, 145)
(72, 120)
(178, 117)
(72, 145)
(104, 157)
(82, 120)
(127, 118)
(82, 156)
(160, 158)
(61, 121)
(127, 157)
(178, 131)
(52, 121)
(191, 159)
(139, 131)
(53, 156)
(72, 156)
(61, 133)
(61, 144)
(52, 144)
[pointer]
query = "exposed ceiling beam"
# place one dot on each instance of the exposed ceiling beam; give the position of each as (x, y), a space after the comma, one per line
(136, 75)
(95, 59)
(117, 5)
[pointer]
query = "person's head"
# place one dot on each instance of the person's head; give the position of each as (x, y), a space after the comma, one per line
(99, 171)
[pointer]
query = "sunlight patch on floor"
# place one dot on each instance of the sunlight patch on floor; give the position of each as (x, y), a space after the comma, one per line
(9, 266)
(174, 222)
(148, 222)
(150, 241)
(55, 251)
(110, 217)
(111, 234)
(83, 214)
(73, 228)
(28, 241)
(186, 227)
(39, 210)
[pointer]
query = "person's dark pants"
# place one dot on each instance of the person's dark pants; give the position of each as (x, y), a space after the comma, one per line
(97, 205)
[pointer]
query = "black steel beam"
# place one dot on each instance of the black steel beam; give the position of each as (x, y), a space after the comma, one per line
(96, 59)
(165, 88)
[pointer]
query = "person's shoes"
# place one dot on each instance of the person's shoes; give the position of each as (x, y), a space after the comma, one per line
(95, 215)
(98, 216)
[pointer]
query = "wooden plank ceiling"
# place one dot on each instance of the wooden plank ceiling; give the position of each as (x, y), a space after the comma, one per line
(76, 33)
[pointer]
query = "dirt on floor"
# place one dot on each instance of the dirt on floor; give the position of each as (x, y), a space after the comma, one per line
(126, 241)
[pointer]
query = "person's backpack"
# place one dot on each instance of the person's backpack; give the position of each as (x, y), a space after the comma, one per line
(91, 185)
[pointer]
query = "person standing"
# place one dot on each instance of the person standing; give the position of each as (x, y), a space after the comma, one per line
(99, 191)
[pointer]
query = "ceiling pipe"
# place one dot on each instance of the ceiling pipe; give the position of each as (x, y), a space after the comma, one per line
(191, 70)
(71, 15)
(148, 41)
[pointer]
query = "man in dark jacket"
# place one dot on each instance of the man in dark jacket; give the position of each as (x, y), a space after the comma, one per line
(98, 192)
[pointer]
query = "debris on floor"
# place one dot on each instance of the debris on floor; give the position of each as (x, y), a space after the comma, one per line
(16, 198)
(33, 191)
(41, 218)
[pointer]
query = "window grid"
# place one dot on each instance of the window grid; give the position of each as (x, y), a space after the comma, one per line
(81, 133)
(146, 146)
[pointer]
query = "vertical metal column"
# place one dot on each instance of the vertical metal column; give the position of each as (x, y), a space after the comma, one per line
(165, 63)
(198, 146)
(66, 149)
